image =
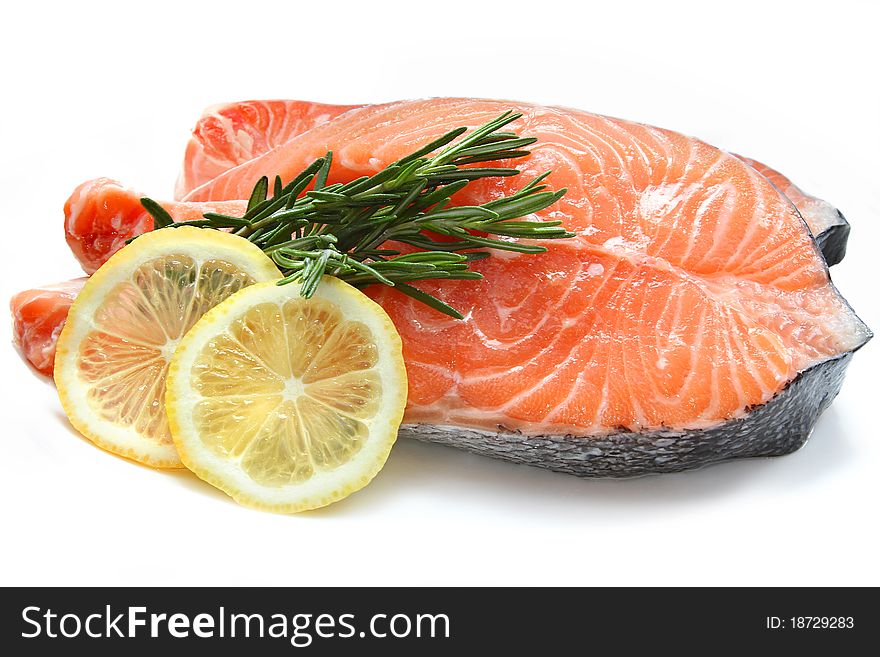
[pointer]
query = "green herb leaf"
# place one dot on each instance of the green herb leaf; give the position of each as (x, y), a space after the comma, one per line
(259, 193)
(161, 218)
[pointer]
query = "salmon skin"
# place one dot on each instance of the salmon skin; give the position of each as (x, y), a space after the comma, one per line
(827, 223)
(690, 321)
(776, 428)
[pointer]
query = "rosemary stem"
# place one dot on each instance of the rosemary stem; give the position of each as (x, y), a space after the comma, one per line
(348, 229)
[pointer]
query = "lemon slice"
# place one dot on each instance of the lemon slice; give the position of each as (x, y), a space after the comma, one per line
(122, 330)
(284, 403)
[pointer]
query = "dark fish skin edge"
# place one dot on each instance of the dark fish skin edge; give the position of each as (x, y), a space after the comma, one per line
(832, 241)
(780, 426)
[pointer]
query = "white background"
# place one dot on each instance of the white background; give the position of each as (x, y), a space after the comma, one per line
(111, 90)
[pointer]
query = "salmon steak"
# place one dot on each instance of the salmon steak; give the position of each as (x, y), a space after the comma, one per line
(690, 320)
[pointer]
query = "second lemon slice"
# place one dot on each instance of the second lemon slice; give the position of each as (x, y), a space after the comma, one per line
(122, 330)
(286, 403)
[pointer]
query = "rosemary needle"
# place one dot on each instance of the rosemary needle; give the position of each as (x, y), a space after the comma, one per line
(343, 229)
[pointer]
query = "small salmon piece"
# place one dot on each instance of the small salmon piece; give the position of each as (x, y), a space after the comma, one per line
(38, 316)
(101, 215)
(230, 134)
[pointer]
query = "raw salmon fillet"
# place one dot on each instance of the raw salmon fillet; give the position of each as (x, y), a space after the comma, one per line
(692, 292)
(38, 316)
(826, 222)
(232, 133)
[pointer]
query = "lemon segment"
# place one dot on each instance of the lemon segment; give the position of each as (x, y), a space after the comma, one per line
(113, 353)
(284, 403)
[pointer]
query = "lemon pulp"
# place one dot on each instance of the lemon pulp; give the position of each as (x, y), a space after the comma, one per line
(125, 359)
(113, 354)
(287, 390)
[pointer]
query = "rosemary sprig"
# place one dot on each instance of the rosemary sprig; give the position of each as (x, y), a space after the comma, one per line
(342, 229)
